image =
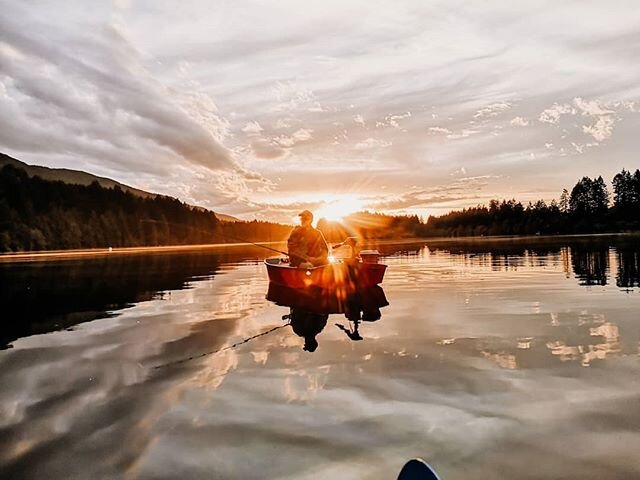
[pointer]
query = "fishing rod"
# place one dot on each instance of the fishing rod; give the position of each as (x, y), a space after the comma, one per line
(226, 236)
(351, 241)
(256, 244)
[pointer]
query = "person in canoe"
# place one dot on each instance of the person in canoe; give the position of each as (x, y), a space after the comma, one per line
(306, 245)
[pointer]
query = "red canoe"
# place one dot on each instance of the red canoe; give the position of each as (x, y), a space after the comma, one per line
(350, 274)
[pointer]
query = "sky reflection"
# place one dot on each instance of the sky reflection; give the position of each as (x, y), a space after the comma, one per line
(489, 360)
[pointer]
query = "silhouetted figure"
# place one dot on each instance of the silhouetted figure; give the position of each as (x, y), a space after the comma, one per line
(308, 325)
(306, 245)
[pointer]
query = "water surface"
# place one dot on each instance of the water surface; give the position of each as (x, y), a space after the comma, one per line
(516, 359)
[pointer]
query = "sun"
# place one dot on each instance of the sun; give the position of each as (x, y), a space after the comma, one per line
(336, 210)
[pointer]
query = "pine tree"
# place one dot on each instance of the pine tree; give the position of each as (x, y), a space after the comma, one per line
(564, 201)
(623, 194)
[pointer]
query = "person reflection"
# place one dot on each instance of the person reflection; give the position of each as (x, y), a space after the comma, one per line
(309, 309)
(308, 325)
(351, 332)
(362, 308)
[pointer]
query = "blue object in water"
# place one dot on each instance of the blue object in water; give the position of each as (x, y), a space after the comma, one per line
(417, 469)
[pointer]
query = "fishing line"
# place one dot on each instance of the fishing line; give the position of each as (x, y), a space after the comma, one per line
(228, 347)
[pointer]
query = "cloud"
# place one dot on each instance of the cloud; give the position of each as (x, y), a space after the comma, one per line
(252, 128)
(462, 189)
(372, 143)
(466, 132)
(393, 120)
(439, 130)
(602, 128)
(553, 114)
(519, 122)
(578, 148)
(268, 150)
(96, 88)
(493, 110)
(288, 141)
(630, 106)
(284, 212)
(282, 123)
(591, 107)
(115, 111)
(291, 97)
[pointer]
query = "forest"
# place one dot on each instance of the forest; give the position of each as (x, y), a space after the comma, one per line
(37, 214)
(588, 208)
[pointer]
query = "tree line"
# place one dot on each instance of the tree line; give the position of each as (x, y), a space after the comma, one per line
(37, 214)
(586, 209)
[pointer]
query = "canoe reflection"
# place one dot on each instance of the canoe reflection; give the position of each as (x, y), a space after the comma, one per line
(309, 309)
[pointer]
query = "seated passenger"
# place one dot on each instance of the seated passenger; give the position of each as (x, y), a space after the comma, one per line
(306, 245)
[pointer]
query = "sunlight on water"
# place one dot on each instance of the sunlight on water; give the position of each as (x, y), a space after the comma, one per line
(490, 360)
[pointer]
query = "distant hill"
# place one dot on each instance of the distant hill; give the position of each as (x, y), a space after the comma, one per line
(39, 214)
(66, 175)
(78, 177)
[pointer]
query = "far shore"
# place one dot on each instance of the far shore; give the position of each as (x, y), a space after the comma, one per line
(43, 255)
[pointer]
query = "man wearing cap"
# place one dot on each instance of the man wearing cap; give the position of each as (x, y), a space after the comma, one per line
(306, 245)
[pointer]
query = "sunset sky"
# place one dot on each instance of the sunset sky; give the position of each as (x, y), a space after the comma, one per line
(261, 109)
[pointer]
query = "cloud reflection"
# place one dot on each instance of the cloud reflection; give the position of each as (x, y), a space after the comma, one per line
(480, 361)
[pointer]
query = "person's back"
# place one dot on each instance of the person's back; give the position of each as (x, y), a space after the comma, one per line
(307, 244)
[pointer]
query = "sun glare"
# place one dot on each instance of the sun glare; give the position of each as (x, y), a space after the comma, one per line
(336, 210)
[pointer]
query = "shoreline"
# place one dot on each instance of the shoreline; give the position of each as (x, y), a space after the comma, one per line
(44, 255)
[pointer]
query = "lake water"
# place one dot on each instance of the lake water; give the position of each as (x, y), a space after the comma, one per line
(501, 360)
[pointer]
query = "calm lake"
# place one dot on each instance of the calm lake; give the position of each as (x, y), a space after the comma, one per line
(497, 360)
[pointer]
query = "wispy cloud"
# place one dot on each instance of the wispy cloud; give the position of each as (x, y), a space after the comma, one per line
(372, 143)
(462, 189)
(236, 98)
(439, 130)
(493, 110)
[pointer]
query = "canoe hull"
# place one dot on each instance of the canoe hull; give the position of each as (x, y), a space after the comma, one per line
(334, 275)
(329, 301)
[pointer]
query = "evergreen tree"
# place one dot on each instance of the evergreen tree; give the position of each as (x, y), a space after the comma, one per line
(635, 189)
(623, 194)
(564, 201)
(599, 196)
(580, 199)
